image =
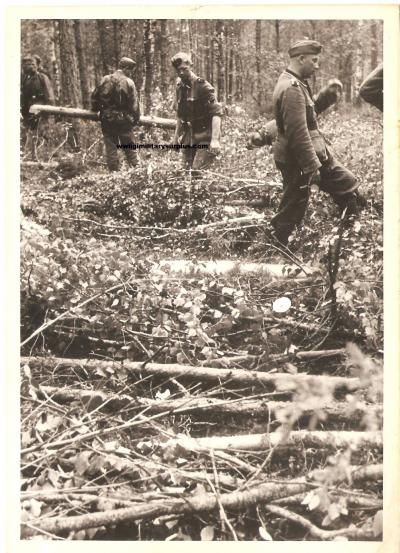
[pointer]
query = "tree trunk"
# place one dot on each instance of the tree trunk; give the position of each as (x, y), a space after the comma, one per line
(55, 57)
(258, 61)
(107, 45)
(164, 61)
(78, 113)
(374, 46)
(70, 95)
(82, 64)
(220, 36)
(277, 35)
(147, 43)
(284, 382)
(207, 502)
(117, 40)
(302, 438)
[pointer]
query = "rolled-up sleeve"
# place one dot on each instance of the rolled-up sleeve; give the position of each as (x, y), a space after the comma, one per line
(293, 109)
(209, 98)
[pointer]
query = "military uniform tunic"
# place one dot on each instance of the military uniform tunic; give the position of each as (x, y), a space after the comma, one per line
(125, 108)
(196, 104)
(35, 89)
(299, 151)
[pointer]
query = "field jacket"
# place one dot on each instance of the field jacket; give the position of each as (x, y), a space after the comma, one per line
(299, 140)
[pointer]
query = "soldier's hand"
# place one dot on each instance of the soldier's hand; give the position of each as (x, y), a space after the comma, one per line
(177, 139)
(255, 140)
(215, 147)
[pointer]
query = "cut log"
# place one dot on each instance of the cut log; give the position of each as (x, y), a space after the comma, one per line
(227, 266)
(240, 501)
(79, 113)
(40, 164)
(260, 442)
(280, 381)
(234, 221)
(351, 500)
(91, 400)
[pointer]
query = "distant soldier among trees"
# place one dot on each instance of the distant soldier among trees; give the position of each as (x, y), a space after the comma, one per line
(36, 88)
(117, 102)
(198, 116)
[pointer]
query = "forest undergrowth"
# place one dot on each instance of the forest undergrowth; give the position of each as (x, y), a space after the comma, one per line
(127, 356)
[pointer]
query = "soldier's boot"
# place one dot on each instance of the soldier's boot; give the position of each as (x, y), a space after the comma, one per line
(132, 157)
(271, 237)
(350, 205)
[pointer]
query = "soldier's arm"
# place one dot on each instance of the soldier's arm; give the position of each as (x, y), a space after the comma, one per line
(293, 109)
(134, 101)
(178, 131)
(213, 106)
(264, 136)
(94, 100)
(48, 90)
(328, 95)
(371, 89)
(216, 128)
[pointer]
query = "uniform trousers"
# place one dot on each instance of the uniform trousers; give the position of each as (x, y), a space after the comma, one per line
(335, 179)
(114, 137)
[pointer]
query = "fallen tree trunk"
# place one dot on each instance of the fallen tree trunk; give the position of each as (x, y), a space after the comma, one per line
(281, 381)
(40, 164)
(251, 359)
(91, 400)
(260, 442)
(235, 220)
(319, 354)
(352, 500)
(227, 266)
(79, 113)
(263, 493)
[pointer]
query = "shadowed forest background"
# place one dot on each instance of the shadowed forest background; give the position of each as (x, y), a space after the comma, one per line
(241, 58)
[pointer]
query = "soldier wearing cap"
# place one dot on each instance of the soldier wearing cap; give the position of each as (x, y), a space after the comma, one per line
(198, 116)
(117, 102)
(300, 151)
(371, 90)
(35, 89)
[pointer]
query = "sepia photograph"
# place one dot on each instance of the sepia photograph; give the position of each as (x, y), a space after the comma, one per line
(201, 279)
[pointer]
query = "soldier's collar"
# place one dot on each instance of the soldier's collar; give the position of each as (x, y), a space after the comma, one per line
(305, 82)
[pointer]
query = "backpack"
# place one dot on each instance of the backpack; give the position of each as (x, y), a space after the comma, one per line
(111, 100)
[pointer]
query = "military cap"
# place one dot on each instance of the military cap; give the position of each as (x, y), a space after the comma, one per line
(126, 63)
(181, 57)
(304, 47)
(28, 57)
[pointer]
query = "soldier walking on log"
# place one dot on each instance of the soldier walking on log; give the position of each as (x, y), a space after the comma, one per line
(116, 100)
(36, 88)
(300, 151)
(198, 117)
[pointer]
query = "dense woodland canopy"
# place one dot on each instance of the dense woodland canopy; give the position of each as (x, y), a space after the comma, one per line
(241, 58)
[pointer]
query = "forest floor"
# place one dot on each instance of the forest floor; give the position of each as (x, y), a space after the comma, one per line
(165, 397)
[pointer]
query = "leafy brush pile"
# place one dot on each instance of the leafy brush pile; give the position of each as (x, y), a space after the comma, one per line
(144, 197)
